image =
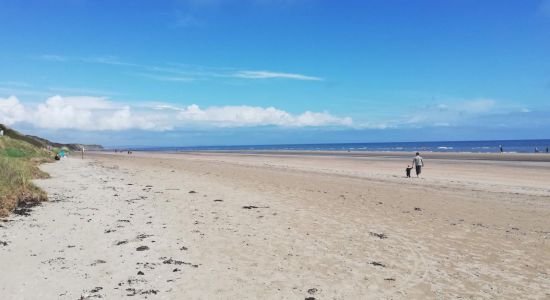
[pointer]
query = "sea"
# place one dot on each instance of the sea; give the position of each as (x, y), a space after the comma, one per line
(514, 146)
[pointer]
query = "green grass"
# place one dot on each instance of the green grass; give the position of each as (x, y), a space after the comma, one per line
(19, 162)
(12, 152)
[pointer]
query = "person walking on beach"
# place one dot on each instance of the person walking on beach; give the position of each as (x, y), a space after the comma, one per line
(418, 162)
(501, 149)
(408, 171)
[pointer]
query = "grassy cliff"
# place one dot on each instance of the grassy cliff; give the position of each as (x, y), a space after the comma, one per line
(44, 143)
(19, 160)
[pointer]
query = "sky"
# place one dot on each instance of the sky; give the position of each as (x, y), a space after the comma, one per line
(242, 72)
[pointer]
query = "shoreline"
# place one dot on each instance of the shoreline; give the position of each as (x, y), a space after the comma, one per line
(506, 156)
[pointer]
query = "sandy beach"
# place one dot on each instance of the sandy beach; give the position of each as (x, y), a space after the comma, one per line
(283, 226)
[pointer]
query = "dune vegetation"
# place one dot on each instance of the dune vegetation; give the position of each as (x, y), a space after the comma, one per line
(19, 162)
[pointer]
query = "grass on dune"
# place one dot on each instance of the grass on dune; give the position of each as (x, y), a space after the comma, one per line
(19, 162)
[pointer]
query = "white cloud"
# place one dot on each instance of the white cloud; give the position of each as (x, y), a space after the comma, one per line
(319, 119)
(189, 73)
(83, 102)
(238, 116)
(82, 113)
(270, 75)
(123, 119)
(58, 113)
(185, 73)
(11, 111)
(98, 113)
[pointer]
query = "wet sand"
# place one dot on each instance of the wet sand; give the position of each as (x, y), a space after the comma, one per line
(282, 226)
(506, 156)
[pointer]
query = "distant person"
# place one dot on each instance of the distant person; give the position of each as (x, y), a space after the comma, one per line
(501, 148)
(408, 171)
(546, 149)
(418, 163)
(537, 150)
(1, 132)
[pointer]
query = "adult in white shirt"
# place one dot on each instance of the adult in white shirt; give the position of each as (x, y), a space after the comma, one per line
(418, 162)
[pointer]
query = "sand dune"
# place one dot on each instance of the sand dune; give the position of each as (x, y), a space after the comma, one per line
(241, 226)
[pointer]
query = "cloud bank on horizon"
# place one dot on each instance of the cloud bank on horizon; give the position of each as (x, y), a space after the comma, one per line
(92, 113)
(99, 114)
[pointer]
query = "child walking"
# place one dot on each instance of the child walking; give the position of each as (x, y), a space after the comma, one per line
(408, 171)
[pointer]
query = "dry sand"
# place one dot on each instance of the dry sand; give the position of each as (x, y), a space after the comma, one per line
(272, 226)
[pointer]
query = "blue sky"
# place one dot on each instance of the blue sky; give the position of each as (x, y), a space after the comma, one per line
(209, 72)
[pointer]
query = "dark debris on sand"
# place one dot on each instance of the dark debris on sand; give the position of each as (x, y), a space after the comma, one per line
(171, 261)
(147, 265)
(133, 292)
(379, 235)
(143, 236)
(252, 207)
(249, 207)
(25, 208)
(90, 297)
(97, 262)
(22, 211)
(377, 264)
(142, 248)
